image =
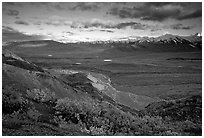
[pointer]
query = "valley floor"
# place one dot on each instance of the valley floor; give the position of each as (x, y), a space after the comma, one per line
(163, 75)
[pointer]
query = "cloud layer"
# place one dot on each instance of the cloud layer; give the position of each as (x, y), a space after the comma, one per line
(180, 27)
(158, 11)
(21, 22)
(10, 12)
(100, 20)
(11, 34)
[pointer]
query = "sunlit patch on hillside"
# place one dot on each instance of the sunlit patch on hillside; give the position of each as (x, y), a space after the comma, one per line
(34, 45)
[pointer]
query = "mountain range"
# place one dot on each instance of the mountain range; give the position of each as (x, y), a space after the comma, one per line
(166, 38)
(163, 39)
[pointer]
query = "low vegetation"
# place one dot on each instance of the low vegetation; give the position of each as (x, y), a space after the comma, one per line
(87, 117)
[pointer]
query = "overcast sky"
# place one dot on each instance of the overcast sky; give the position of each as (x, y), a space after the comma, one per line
(98, 21)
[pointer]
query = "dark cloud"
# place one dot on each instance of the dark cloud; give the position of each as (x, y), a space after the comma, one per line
(10, 12)
(82, 6)
(59, 7)
(74, 26)
(54, 20)
(109, 25)
(161, 14)
(92, 23)
(145, 13)
(122, 13)
(133, 25)
(180, 27)
(8, 29)
(38, 4)
(184, 5)
(195, 14)
(158, 3)
(16, 4)
(37, 23)
(20, 22)
(11, 34)
(158, 11)
(88, 6)
(69, 33)
(109, 31)
(51, 5)
(155, 29)
(9, 3)
(97, 24)
(55, 23)
(90, 30)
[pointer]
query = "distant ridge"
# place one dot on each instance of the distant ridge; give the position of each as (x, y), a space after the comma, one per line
(166, 42)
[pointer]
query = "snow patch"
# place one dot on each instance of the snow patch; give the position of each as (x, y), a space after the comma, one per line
(192, 45)
(107, 60)
(175, 41)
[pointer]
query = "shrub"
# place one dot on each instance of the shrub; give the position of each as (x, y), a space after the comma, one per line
(190, 127)
(62, 123)
(41, 95)
(105, 119)
(13, 101)
(33, 114)
(14, 120)
(74, 109)
(97, 131)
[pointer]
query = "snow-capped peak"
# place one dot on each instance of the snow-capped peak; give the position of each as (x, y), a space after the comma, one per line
(198, 34)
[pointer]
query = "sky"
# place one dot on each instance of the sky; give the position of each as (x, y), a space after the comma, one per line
(89, 21)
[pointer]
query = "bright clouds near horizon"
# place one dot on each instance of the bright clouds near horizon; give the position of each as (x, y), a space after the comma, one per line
(98, 21)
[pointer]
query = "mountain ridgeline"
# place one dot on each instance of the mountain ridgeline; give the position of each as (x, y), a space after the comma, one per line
(162, 43)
